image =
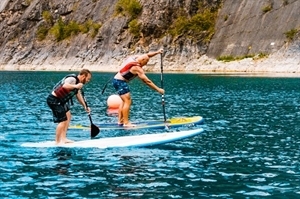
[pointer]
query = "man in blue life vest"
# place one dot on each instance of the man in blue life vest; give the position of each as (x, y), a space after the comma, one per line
(59, 100)
(131, 68)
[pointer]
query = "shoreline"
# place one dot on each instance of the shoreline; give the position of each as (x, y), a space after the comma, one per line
(208, 73)
(273, 66)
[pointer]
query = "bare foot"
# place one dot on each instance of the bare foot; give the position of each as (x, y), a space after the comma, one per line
(120, 122)
(59, 143)
(129, 125)
(68, 141)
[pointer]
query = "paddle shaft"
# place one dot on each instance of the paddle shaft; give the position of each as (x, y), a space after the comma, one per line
(104, 88)
(162, 86)
(86, 104)
(94, 129)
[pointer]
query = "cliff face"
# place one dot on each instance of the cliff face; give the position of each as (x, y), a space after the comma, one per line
(251, 27)
(242, 27)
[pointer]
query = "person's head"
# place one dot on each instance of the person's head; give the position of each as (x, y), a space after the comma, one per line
(143, 59)
(84, 76)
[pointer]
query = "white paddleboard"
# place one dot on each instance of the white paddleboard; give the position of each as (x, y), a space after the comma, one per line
(124, 141)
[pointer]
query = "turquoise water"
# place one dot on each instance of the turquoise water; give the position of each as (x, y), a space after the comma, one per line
(250, 147)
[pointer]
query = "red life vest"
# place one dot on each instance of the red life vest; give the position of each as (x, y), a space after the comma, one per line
(126, 66)
(65, 94)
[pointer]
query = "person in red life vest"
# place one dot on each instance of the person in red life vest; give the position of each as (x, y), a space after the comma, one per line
(60, 98)
(131, 68)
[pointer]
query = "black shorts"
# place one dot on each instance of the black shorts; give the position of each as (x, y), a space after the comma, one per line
(59, 109)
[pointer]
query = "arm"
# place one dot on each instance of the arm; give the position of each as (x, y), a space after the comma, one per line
(141, 74)
(151, 54)
(70, 84)
(81, 101)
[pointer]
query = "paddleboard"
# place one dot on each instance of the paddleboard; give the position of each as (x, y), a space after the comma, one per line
(154, 124)
(124, 141)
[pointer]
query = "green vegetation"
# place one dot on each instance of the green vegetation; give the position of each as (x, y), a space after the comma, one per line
(62, 30)
(28, 2)
(267, 8)
(42, 32)
(134, 27)
(226, 58)
(131, 8)
(43, 29)
(90, 27)
(47, 16)
(229, 58)
(199, 25)
(262, 55)
(291, 34)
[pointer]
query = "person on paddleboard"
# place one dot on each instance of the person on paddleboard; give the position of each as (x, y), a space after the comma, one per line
(131, 68)
(59, 102)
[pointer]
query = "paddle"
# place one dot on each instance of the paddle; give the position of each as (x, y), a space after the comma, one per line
(162, 86)
(104, 88)
(94, 129)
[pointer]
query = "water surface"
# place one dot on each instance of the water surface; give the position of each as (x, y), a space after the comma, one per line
(250, 148)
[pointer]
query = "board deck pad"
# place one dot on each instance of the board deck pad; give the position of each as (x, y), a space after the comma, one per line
(153, 124)
(124, 141)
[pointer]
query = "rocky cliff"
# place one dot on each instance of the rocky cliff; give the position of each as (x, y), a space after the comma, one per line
(241, 28)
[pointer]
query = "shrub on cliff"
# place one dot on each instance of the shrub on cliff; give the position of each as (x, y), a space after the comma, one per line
(62, 30)
(131, 8)
(201, 24)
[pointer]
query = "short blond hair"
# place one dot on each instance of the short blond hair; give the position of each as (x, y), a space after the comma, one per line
(85, 72)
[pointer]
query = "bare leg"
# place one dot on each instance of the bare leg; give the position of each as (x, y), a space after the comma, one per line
(120, 115)
(69, 116)
(60, 132)
(126, 108)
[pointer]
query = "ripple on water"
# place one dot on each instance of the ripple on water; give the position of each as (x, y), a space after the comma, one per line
(250, 147)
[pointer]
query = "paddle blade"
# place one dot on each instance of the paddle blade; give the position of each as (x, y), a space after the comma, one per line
(94, 131)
